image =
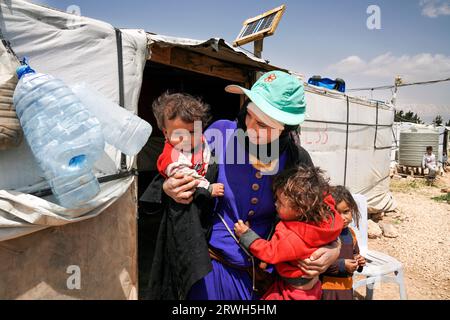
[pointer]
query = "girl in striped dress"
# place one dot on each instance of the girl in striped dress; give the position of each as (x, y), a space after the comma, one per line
(337, 282)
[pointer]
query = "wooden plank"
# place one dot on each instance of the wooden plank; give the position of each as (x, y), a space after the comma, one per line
(160, 54)
(250, 38)
(265, 14)
(276, 21)
(199, 63)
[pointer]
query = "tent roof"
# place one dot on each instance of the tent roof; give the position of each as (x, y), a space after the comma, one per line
(216, 48)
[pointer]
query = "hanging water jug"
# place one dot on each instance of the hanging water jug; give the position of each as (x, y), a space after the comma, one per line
(65, 138)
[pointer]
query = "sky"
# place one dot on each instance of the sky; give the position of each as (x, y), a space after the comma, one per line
(328, 38)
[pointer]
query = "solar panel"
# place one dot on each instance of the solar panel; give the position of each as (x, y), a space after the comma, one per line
(260, 26)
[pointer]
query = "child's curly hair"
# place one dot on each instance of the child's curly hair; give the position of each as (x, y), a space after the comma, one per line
(305, 188)
(171, 105)
(341, 193)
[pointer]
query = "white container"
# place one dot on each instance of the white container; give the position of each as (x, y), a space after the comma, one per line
(74, 191)
(65, 138)
(414, 142)
(121, 128)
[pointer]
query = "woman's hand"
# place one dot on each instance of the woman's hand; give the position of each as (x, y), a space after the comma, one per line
(180, 188)
(320, 260)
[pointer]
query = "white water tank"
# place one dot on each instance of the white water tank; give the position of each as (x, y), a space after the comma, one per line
(413, 144)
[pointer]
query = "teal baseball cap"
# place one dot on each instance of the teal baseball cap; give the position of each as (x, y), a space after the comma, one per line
(279, 95)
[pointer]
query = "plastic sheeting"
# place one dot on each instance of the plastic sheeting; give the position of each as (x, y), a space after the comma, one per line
(353, 145)
(74, 49)
(10, 131)
(92, 259)
(214, 47)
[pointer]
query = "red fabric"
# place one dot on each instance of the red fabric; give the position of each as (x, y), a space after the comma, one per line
(280, 290)
(165, 158)
(294, 240)
(170, 155)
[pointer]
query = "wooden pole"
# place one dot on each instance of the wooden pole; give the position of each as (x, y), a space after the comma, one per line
(258, 48)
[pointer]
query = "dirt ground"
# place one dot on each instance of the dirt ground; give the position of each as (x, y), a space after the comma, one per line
(423, 245)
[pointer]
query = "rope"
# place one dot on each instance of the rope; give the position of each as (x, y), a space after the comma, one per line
(401, 85)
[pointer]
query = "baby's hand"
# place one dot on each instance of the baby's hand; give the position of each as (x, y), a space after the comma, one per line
(217, 190)
(240, 228)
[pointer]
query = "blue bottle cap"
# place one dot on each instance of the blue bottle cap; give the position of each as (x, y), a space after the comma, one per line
(24, 69)
(77, 161)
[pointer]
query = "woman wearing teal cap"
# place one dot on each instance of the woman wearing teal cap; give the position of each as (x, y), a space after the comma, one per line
(270, 117)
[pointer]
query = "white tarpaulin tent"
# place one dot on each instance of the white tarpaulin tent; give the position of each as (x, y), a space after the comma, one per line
(351, 139)
(345, 136)
(74, 49)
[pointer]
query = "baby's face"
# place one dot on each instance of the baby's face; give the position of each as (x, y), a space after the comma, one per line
(183, 136)
(284, 208)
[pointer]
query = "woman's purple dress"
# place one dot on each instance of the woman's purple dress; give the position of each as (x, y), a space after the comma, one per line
(249, 197)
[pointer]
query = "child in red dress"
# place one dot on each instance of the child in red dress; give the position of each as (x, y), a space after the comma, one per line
(309, 221)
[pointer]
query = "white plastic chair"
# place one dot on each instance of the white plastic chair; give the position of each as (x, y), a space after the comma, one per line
(379, 266)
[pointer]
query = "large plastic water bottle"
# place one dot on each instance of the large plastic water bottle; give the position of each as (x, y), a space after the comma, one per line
(75, 190)
(121, 128)
(64, 137)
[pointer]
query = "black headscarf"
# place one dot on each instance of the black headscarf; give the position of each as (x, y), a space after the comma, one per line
(288, 138)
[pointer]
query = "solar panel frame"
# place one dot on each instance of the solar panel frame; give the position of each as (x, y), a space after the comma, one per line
(261, 26)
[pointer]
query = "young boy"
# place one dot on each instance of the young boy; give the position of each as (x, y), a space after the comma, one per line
(181, 246)
(429, 162)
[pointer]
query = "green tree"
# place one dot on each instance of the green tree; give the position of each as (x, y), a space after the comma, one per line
(409, 116)
(438, 120)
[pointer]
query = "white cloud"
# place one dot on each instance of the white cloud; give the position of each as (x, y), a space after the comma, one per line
(427, 101)
(435, 8)
(420, 67)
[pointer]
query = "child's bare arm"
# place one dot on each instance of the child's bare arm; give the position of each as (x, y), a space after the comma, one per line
(356, 254)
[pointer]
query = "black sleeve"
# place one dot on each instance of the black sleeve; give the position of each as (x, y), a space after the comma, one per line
(297, 156)
(154, 191)
(213, 171)
(153, 200)
(304, 157)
